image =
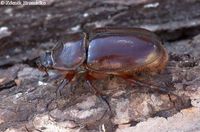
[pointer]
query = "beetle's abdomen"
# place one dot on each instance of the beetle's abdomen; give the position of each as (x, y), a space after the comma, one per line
(118, 51)
(70, 54)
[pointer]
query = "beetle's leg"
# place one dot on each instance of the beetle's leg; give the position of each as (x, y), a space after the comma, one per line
(63, 83)
(96, 91)
(46, 74)
(133, 80)
(140, 83)
(98, 94)
(155, 87)
(68, 78)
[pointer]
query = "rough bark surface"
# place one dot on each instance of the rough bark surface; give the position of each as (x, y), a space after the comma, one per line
(28, 99)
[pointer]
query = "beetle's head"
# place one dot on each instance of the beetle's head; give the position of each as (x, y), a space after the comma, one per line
(45, 61)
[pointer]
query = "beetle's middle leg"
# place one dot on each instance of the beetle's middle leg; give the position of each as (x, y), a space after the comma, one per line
(89, 79)
(67, 79)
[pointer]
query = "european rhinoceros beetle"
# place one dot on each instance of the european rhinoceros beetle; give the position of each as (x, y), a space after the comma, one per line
(123, 52)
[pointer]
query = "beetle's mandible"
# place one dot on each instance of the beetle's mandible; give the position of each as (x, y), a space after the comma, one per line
(122, 52)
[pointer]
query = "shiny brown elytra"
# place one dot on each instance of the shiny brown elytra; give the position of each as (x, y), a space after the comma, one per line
(123, 52)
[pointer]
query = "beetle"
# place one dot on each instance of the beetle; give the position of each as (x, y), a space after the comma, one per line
(122, 52)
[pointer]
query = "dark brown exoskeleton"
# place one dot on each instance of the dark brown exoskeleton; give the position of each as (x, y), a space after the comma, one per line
(122, 52)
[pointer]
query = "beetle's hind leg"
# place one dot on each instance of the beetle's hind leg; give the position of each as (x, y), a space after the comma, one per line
(148, 85)
(151, 87)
